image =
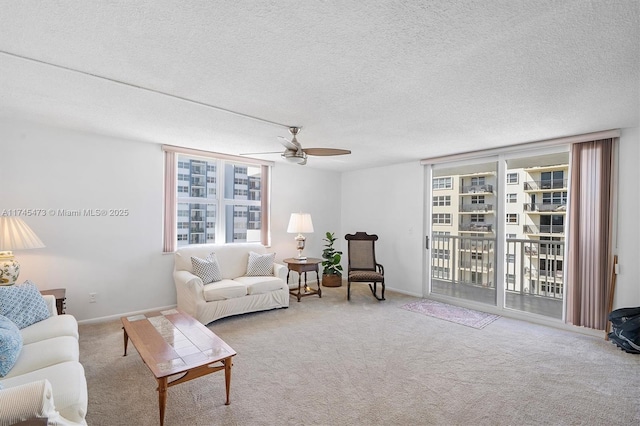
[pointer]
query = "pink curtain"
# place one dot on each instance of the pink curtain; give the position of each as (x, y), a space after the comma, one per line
(590, 257)
(169, 234)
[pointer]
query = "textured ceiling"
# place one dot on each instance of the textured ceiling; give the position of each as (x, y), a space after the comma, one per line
(393, 81)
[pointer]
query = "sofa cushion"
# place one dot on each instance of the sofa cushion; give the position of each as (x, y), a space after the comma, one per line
(260, 285)
(54, 326)
(45, 353)
(224, 289)
(23, 304)
(10, 345)
(260, 265)
(207, 269)
(68, 384)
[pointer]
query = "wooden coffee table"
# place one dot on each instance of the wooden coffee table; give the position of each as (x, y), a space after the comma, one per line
(171, 343)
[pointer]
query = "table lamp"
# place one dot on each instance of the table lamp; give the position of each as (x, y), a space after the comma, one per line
(15, 234)
(300, 223)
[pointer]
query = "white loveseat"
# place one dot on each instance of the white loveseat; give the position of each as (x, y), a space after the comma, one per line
(47, 379)
(236, 293)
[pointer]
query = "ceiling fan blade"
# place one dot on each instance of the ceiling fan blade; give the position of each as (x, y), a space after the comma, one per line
(260, 153)
(288, 144)
(326, 151)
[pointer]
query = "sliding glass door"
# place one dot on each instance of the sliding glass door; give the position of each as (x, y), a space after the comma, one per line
(463, 232)
(536, 211)
(497, 231)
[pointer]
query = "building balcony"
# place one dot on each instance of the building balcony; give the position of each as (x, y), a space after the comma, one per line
(476, 265)
(543, 229)
(475, 227)
(475, 208)
(555, 208)
(545, 185)
(477, 189)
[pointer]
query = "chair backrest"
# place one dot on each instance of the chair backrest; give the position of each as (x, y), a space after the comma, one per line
(362, 251)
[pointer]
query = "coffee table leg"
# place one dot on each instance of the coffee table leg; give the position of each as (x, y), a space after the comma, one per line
(126, 341)
(162, 397)
(227, 377)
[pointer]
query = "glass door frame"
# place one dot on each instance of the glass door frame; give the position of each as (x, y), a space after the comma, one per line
(500, 246)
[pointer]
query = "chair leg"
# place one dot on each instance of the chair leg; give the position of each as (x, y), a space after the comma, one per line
(374, 290)
(348, 290)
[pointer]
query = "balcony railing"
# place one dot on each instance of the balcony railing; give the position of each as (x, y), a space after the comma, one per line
(545, 207)
(543, 229)
(475, 227)
(476, 189)
(470, 261)
(537, 185)
(475, 207)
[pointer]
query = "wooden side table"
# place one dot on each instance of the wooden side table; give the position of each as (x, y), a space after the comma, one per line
(304, 266)
(61, 298)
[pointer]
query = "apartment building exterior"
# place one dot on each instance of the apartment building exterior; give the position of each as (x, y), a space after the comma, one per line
(209, 190)
(463, 249)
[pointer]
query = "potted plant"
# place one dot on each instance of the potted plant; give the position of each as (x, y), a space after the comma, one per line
(332, 270)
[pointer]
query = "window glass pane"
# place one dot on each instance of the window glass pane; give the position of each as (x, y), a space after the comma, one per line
(243, 223)
(196, 223)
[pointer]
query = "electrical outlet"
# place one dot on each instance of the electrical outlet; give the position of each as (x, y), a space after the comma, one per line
(93, 297)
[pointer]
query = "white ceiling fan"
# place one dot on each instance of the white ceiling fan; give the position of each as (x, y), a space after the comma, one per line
(294, 153)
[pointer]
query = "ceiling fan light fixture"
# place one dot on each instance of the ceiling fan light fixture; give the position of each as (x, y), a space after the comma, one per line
(294, 157)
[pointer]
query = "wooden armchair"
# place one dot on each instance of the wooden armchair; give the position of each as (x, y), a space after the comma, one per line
(363, 267)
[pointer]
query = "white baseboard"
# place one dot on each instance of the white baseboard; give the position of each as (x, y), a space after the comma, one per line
(126, 314)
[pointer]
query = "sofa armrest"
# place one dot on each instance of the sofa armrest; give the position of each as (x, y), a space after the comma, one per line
(50, 300)
(280, 271)
(189, 291)
(33, 399)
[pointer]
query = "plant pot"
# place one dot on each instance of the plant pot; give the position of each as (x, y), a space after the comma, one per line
(331, 280)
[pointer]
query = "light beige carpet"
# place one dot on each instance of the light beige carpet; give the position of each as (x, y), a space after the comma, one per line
(332, 362)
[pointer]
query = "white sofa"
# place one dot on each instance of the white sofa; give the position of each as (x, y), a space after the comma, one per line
(47, 379)
(236, 293)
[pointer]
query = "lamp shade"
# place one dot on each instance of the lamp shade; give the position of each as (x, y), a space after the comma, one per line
(15, 234)
(300, 223)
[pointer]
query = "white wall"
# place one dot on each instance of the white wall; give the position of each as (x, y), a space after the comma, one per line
(628, 232)
(120, 258)
(387, 201)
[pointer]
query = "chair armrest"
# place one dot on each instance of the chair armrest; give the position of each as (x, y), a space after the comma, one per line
(380, 268)
(50, 300)
(33, 399)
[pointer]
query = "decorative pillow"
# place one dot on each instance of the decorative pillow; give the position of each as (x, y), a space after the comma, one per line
(23, 304)
(207, 269)
(260, 264)
(10, 345)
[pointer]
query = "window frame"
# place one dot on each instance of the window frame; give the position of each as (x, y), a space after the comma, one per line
(171, 199)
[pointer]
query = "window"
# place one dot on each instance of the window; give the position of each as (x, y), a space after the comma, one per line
(440, 254)
(512, 178)
(511, 236)
(512, 218)
(554, 198)
(442, 218)
(477, 181)
(512, 198)
(442, 233)
(511, 278)
(477, 218)
(439, 272)
(477, 199)
(442, 200)
(216, 200)
(511, 258)
(475, 255)
(443, 183)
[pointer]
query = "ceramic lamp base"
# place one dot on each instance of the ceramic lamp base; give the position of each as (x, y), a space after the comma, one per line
(9, 268)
